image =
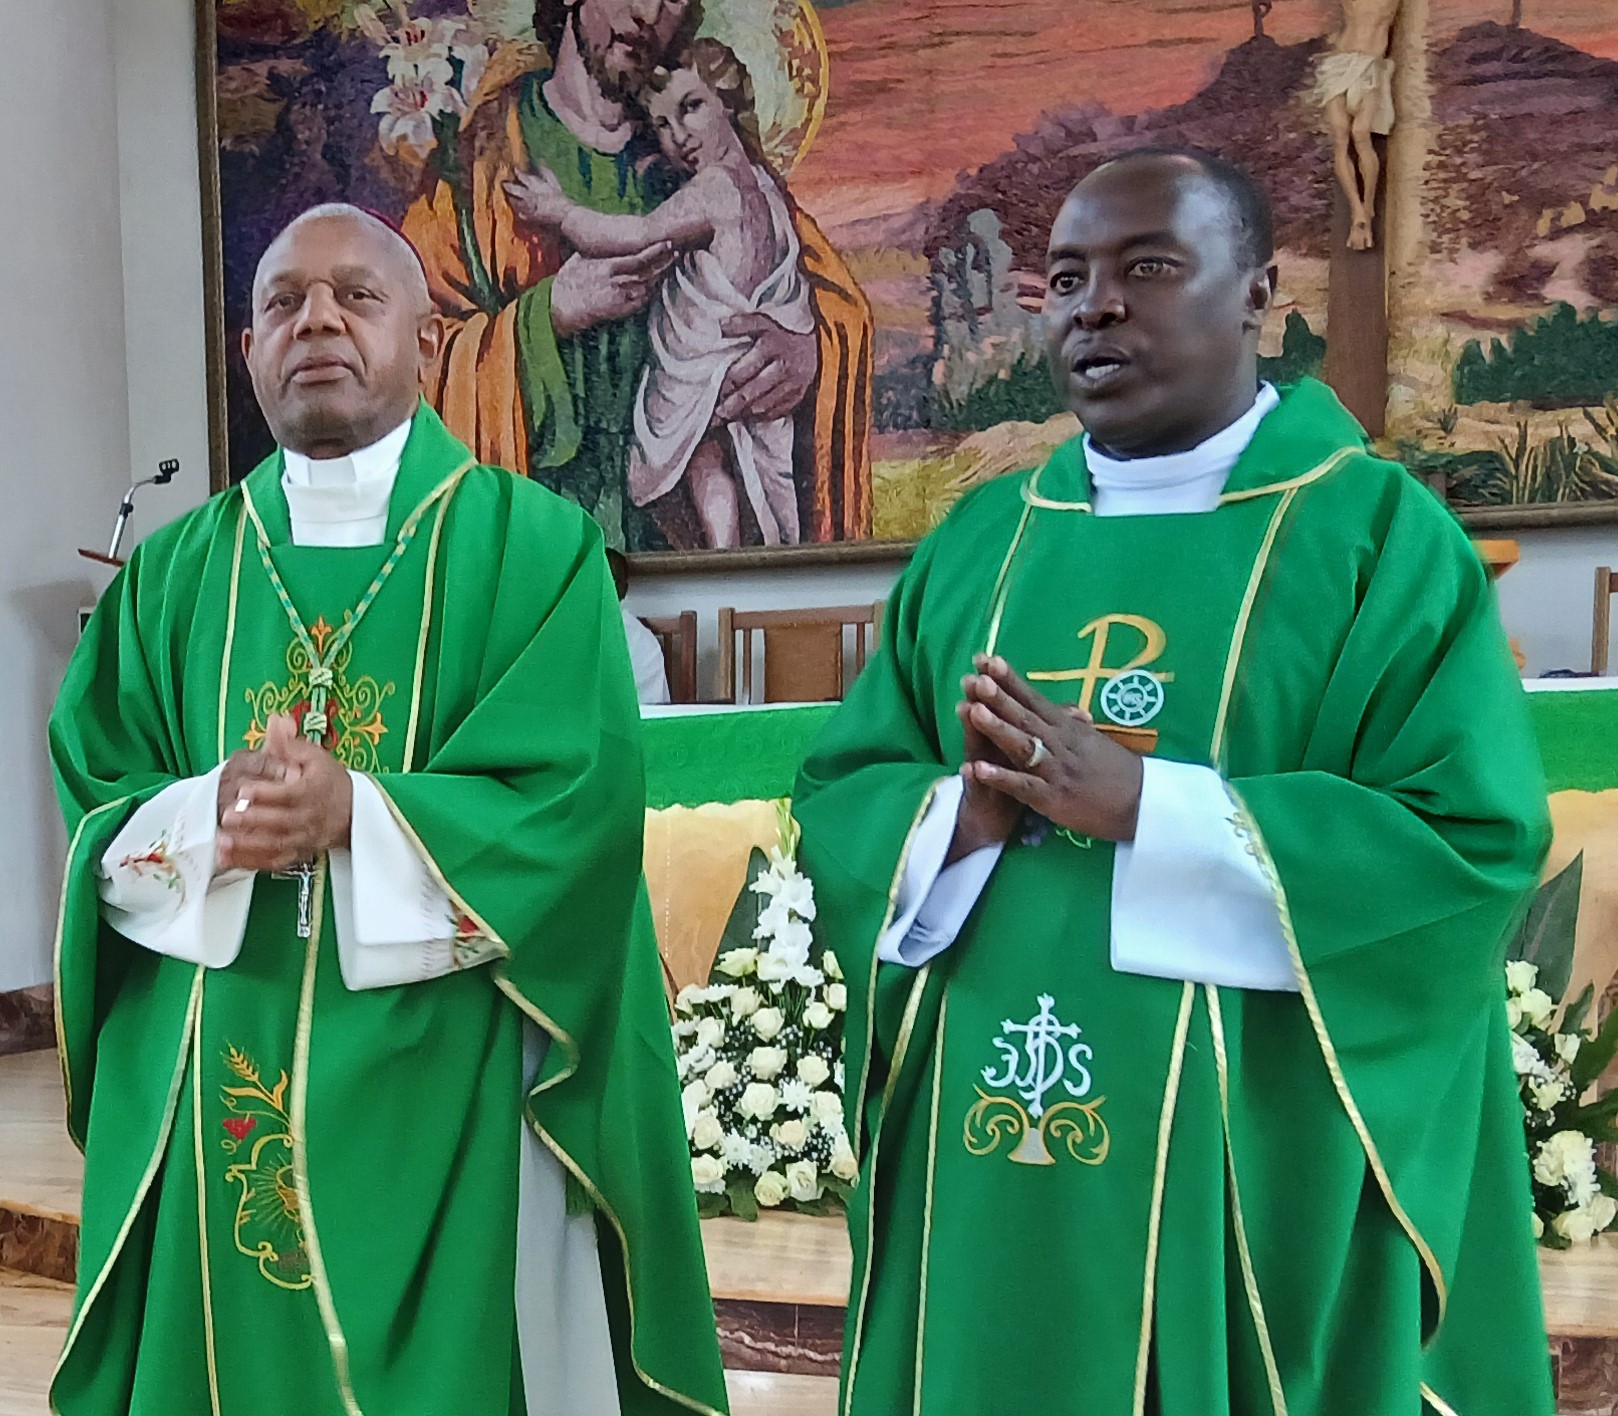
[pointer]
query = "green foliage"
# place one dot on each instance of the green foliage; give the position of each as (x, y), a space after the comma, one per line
(1561, 360)
(744, 916)
(1022, 392)
(1302, 353)
(1545, 937)
(1517, 471)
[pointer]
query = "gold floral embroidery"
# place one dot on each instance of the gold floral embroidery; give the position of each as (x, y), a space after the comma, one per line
(355, 728)
(269, 1220)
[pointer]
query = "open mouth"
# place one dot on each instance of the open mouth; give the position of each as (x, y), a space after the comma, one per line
(1098, 371)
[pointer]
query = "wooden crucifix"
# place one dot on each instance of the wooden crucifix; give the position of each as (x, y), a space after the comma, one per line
(1354, 87)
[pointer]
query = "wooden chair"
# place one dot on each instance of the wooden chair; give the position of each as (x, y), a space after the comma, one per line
(804, 654)
(678, 636)
(1606, 585)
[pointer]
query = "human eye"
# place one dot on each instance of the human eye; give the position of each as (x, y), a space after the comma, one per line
(1152, 267)
(1066, 281)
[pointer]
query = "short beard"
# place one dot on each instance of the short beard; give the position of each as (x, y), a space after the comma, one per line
(615, 85)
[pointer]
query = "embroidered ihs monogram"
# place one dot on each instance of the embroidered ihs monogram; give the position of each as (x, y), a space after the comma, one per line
(1038, 1058)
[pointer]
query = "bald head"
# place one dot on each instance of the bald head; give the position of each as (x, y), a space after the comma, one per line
(343, 331)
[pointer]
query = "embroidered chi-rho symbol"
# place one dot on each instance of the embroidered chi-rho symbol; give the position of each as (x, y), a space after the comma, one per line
(1131, 692)
(1037, 1058)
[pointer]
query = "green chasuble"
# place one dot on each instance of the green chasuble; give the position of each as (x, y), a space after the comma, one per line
(579, 392)
(301, 1198)
(1086, 1191)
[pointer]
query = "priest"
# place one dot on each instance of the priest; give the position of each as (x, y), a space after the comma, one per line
(361, 1016)
(1169, 847)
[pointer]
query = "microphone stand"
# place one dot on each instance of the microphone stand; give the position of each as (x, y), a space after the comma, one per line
(165, 474)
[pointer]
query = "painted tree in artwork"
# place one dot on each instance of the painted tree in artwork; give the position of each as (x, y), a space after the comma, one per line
(1262, 8)
(1516, 14)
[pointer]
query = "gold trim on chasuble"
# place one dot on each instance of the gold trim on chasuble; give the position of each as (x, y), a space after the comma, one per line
(570, 1048)
(1434, 1400)
(165, 1128)
(1247, 826)
(209, 1347)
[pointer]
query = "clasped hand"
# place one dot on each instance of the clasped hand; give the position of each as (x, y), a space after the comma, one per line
(1025, 752)
(284, 803)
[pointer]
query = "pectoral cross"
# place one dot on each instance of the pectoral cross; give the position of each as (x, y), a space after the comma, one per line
(304, 874)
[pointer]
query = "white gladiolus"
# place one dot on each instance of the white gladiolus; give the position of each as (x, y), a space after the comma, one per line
(1567, 1046)
(1521, 976)
(1537, 1007)
(708, 1174)
(710, 1032)
(707, 1133)
(768, 1022)
(807, 976)
(737, 963)
(803, 1181)
(744, 1003)
(721, 1075)
(771, 1188)
(791, 1135)
(843, 1164)
(792, 941)
(767, 1063)
(758, 1101)
(773, 968)
(818, 1016)
(813, 1070)
(1563, 1157)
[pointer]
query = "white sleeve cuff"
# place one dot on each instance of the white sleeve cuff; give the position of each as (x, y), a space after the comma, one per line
(395, 925)
(157, 882)
(934, 900)
(1189, 900)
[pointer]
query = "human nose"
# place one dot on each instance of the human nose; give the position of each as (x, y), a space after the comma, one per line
(319, 314)
(1100, 303)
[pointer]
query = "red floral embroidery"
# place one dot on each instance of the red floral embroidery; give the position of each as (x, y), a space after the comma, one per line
(465, 928)
(333, 733)
(239, 1126)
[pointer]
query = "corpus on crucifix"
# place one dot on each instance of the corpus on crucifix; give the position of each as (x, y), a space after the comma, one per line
(1354, 84)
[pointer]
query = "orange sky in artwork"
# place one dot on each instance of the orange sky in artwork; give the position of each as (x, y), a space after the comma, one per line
(924, 89)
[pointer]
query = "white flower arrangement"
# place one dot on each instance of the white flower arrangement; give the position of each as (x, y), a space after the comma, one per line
(760, 1056)
(1575, 1197)
(434, 69)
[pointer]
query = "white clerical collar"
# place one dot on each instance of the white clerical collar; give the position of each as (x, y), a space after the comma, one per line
(353, 488)
(1208, 463)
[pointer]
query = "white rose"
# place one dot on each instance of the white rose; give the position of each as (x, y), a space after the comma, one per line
(826, 1107)
(791, 1135)
(829, 964)
(818, 1015)
(708, 1174)
(1563, 1157)
(1546, 1094)
(710, 1032)
(813, 1069)
(1567, 1046)
(744, 1003)
(803, 1180)
(695, 1096)
(686, 998)
(1537, 1007)
(758, 1101)
(1525, 1057)
(721, 1075)
(1577, 1226)
(706, 1132)
(1521, 976)
(1603, 1210)
(1538, 1226)
(837, 997)
(767, 1063)
(843, 1164)
(738, 963)
(770, 1189)
(772, 968)
(1513, 1014)
(768, 1022)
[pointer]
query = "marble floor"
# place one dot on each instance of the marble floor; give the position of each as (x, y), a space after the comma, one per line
(40, 1176)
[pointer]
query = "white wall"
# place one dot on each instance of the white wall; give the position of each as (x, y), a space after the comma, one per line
(64, 440)
(1547, 598)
